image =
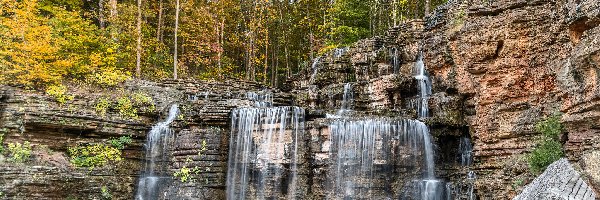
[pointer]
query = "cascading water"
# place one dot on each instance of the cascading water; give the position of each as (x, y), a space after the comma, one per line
(347, 99)
(154, 174)
(315, 69)
(395, 61)
(263, 151)
(360, 148)
(424, 88)
(465, 149)
(260, 100)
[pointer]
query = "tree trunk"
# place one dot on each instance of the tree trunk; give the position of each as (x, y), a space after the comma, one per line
(101, 13)
(427, 4)
(138, 70)
(175, 45)
(160, 21)
(220, 29)
(113, 9)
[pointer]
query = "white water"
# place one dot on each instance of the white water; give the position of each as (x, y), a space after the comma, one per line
(358, 147)
(339, 52)
(465, 149)
(395, 61)
(315, 69)
(263, 150)
(261, 100)
(347, 99)
(156, 146)
(424, 88)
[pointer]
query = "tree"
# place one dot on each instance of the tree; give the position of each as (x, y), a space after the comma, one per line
(138, 71)
(175, 45)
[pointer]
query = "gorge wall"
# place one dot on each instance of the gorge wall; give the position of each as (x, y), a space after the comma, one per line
(497, 68)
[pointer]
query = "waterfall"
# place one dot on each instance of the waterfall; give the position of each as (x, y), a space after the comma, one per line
(339, 52)
(395, 61)
(424, 88)
(263, 150)
(465, 149)
(264, 99)
(156, 147)
(347, 99)
(315, 69)
(360, 147)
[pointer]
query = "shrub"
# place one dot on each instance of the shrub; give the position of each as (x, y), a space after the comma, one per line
(550, 127)
(142, 100)
(109, 77)
(120, 142)
(19, 152)
(545, 154)
(105, 192)
(58, 92)
(102, 106)
(126, 109)
(549, 148)
(183, 174)
(94, 155)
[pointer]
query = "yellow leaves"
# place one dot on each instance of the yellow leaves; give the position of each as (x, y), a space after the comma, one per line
(41, 50)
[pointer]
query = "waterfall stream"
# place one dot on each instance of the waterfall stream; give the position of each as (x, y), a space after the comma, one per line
(424, 88)
(361, 147)
(154, 175)
(263, 150)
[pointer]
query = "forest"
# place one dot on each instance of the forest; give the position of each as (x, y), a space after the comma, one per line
(48, 43)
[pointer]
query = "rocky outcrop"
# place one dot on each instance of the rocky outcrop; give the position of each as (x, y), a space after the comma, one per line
(497, 67)
(559, 181)
(52, 128)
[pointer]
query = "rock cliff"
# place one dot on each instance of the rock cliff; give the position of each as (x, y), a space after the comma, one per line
(497, 68)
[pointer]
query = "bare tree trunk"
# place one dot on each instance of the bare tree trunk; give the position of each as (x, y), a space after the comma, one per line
(101, 13)
(138, 70)
(220, 29)
(175, 45)
(427, 4)
(266, 59)
(395, 12)
(160, 21)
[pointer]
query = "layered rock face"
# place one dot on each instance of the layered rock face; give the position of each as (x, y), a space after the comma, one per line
(52, 129)
(497, 68)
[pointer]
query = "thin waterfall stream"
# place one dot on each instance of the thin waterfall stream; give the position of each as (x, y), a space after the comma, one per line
(154, 175)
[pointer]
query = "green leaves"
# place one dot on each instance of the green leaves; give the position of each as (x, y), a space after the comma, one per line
(548, 149)
(19, 152)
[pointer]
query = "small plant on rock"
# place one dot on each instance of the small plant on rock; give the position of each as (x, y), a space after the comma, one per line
(126, 109)
(549, 148)
(120, 142)
(94, 155)
(102, 106)
(143, 101)
(58, 92)
(19, 152)
(105, 193)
